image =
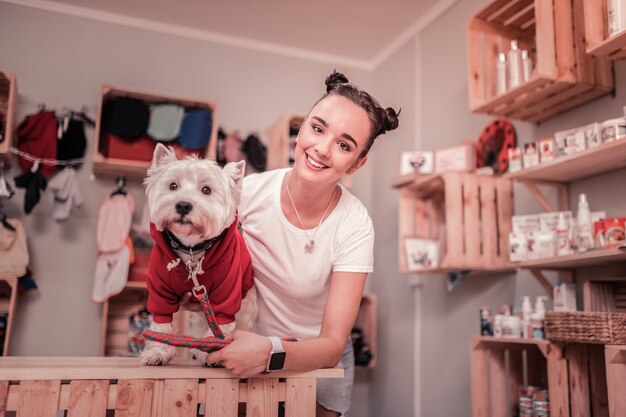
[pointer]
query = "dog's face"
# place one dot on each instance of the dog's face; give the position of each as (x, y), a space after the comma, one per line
(193, 198)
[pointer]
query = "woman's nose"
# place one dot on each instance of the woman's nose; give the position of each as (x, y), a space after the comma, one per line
(323, 147)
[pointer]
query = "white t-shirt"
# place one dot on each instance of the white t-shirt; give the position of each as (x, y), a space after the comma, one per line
(292, 283)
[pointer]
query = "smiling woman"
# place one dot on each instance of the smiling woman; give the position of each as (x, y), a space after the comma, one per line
(311, 243)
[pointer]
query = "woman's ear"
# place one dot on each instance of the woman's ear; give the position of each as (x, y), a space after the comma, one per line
(357, 166)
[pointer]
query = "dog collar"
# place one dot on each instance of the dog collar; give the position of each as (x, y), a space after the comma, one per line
(175, 243)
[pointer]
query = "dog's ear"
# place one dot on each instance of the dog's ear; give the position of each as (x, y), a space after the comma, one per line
(162, 155)
(235, 172)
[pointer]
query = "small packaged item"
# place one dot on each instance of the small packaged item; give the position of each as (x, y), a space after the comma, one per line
(569, 142)
(549, 221)
(416, 161)
(545, 244)
(518, 247)
(525, 223)
(546, 149)
(599, 238)
(613, 129)
(531, 154)
(461, 158)
(486, 322)
(614, 231)
(515, 159)
(593, 136)
(421, 253)
(564, 296)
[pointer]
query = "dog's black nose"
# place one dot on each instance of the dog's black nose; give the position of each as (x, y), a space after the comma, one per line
(183, 207)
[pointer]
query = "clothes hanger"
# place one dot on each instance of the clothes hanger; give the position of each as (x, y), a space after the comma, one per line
(121, 183)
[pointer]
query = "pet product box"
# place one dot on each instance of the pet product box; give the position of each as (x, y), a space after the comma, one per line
(613, 129)
(525, 223)
(417, 161)
(531, 155)
(421, 254)
(569, 142)
(515, 159)
(546, 150)
(461, 158)
(518, 247)
(564, 296)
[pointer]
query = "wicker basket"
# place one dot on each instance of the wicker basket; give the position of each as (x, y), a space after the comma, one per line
(586, 327)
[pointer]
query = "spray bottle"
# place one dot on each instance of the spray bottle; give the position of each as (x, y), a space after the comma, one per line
(527, 311)
(584, 226)
(537, 318)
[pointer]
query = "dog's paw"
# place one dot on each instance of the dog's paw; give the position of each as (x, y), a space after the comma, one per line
(157, 354)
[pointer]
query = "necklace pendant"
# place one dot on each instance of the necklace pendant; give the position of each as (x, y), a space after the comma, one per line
(308, 246)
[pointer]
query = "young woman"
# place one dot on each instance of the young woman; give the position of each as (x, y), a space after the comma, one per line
(312, 244)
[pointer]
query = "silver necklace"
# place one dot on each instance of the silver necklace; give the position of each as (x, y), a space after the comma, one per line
(310, 242)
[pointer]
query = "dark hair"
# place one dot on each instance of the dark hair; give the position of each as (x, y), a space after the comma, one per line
(381, 120)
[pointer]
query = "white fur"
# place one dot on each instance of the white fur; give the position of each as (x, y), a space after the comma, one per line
(211, 213)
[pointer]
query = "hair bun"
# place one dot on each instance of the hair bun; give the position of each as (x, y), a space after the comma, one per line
(334, 79)
(390, 121)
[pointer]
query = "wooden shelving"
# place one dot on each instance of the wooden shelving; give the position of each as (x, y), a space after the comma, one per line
(594, 161)
(8, 103)
(579, 260)
(561, 81)
(616, 378)
(598, 44)
(279, 142)
(8, 303)
(469, 214)
(137, 169)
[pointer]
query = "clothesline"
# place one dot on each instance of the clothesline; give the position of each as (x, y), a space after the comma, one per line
(46, 161)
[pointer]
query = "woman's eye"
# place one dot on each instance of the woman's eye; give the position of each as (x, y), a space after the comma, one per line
(206, 190)
(317, 129)
(344, 146)
(173, 186)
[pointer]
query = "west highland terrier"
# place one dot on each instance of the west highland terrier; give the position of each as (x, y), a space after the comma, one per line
(192, 204)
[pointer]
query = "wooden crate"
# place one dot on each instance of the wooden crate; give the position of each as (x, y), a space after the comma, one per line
(279, 139)
(608, 294)
(8, 303)
(47, 387)
(616, 379)
(574, 375)
(8, 108)
(596, 28)
(116, 312)
(136, 170)
(553, 31)
(470, 214)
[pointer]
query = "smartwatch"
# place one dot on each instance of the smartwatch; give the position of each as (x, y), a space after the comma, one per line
(276, 360)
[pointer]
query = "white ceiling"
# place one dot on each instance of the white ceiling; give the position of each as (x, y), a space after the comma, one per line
(355, 30)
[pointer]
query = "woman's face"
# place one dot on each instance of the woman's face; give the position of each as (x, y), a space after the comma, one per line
(331, 139)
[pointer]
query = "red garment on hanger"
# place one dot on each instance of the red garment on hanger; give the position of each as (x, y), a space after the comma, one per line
(37, 135)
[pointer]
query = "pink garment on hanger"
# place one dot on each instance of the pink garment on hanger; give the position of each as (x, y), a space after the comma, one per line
(114, 220)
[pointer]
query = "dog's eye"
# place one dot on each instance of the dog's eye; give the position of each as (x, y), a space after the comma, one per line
(206, 190)
(173, 186)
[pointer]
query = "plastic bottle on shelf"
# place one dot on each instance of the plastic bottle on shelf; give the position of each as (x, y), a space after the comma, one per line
(515, 65)
(527, 66)
(501, 74)
(584, 227)
(537, 318)
(563, 236)
(527, 311)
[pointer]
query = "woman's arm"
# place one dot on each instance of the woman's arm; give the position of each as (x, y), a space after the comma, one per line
(247, 355)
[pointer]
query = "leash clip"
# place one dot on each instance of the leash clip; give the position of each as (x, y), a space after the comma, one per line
(198, 290)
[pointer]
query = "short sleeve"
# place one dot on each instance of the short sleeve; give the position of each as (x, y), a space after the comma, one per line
(355, 249)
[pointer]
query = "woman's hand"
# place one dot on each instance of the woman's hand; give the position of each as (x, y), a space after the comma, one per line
(246, 356)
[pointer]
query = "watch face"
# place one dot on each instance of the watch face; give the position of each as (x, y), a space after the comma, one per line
(277, 361)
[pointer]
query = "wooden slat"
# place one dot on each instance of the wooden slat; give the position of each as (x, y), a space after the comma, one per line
(615, 359)
(39, 398)
(88, 398)
(300, 397)
(221, 397)
(262, 398)
(454, 223)
(479, 388)
(504, 190)
(595, 23)
(497, 383)
(597, 381)
(470, 232)
(577, 358)
(546, 48)
(134, 398)
(180, 398)
(516, 378)
(558, 382)
(489, 229)
(4, 394)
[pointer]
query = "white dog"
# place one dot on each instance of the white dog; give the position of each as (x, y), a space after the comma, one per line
(192, 204)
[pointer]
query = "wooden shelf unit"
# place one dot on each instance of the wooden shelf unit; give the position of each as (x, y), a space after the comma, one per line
(615, 356)
(8, 303)
(564, 76)
(470, 213)
(8, 108)
(575, 375)
(133, 169)
(594, 257)
(603, 158)
(279, 139)
(596, 29)
(116, 312)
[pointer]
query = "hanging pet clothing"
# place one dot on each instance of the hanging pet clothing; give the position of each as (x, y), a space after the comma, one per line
(6, 191)
(34, 182)
(111, 274)
(66, 193)
(256, 153)
(37, 136)
(126, 117)
(165, 121)
(73, 142)
(13, 248)
(195, 130)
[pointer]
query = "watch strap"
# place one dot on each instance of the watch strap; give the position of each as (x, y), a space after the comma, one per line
(277, 344)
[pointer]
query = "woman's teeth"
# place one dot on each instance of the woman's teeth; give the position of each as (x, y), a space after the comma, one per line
(316, 164)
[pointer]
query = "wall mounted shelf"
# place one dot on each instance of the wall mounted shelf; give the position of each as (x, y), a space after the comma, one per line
(596, 29)
(8, 108)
